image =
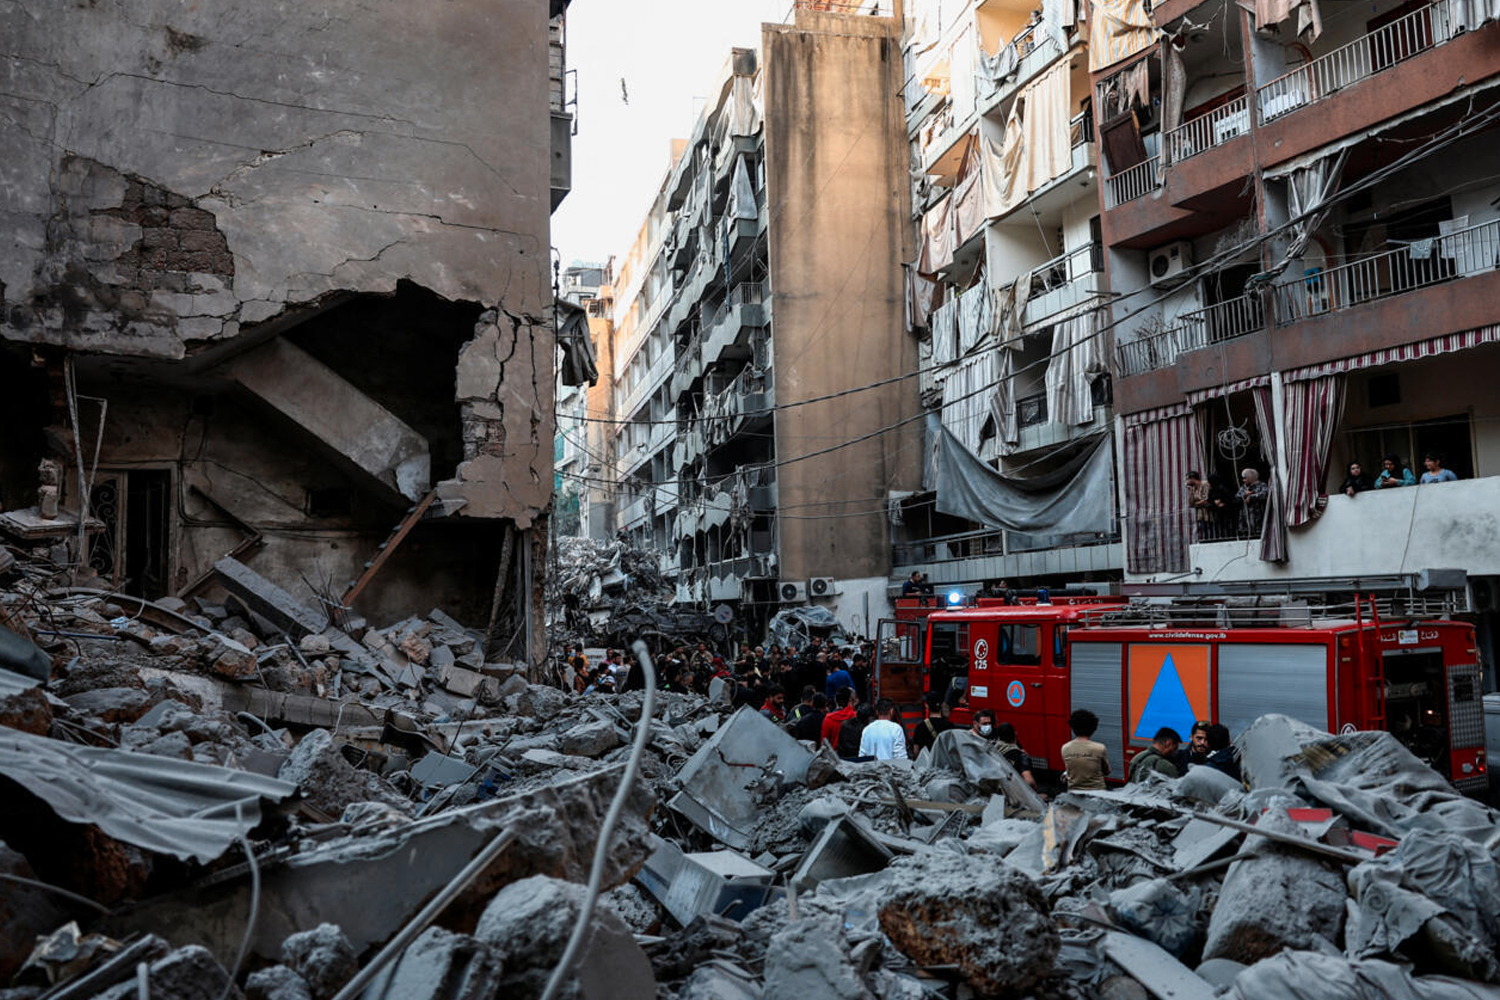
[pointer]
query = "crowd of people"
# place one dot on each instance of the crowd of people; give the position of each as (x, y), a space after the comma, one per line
(1222, 512)
(833, 706)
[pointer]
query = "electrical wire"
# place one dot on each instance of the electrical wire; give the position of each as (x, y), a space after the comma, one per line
(239, 960)
(607, 828)
(1213, 265)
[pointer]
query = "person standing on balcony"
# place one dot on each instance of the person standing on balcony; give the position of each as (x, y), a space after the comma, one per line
(1197, 497)
(1252, 499)
(1435, 472)
(1355, 481)
(1394, 473)
(1221, 506)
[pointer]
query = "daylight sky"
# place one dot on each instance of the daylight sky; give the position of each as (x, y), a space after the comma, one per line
(667, 52)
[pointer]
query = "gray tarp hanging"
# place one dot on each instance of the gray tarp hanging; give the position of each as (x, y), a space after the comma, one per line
(1073, 500)
(578, 364)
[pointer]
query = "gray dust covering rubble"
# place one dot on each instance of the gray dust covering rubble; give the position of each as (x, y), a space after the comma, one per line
(194, 792)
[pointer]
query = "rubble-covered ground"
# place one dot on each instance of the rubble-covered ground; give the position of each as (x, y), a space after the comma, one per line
(198, 802)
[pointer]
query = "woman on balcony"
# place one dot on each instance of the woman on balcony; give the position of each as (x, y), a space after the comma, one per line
(1355, 481)
(1394, 473)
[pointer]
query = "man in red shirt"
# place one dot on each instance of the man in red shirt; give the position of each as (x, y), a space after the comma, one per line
(775, 705)
(847, 707)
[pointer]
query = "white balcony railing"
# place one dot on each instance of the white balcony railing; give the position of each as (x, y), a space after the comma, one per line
(1190, 331)
(1207, 131)
(1067, 281)
(1357, 60)
(1426, 262)
(1134, 182)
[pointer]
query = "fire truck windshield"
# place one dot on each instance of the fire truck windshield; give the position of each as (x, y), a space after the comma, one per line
(950, 661)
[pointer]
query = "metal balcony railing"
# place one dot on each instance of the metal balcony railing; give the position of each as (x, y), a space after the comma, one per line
(1355, 61)
(1417, 265)
(1134, 182)
(1206, 131)
(1220, 322)
(1066, 281)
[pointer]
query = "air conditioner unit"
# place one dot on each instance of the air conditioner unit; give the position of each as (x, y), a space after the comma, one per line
(1169, 264)
(791, 591)
(822, 586)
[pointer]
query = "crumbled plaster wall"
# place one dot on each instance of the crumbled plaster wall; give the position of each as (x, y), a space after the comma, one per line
(177, 174)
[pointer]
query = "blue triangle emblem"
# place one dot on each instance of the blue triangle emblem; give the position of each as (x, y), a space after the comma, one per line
(1167, 705)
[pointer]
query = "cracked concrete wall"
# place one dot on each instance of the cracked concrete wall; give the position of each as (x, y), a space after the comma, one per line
(177, 174)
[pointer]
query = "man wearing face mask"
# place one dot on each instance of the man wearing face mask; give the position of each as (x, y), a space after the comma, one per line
(983, 724)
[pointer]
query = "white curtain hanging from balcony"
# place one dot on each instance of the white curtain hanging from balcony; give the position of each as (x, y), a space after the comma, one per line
(937, 238)
(1118, 29)
(741, 192)
(976, 316)
(1273, 12)
(1466, 15)
(1076, 362)
(945, 333)
(966, 401)
(1306, 189)
(744, 116)
(1036, 148)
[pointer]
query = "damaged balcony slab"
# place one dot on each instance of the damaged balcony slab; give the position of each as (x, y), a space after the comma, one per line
(268, 600)
(343, 419)
(370, 886)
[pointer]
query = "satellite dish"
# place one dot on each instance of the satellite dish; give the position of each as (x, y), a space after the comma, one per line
(723, 614)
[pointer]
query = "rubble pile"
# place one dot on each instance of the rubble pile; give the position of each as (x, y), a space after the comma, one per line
(610, 593)
(367, 830)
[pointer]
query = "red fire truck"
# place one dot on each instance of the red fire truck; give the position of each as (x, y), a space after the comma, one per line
(1142, 667)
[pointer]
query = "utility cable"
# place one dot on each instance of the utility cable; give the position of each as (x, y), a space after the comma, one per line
(606, 829)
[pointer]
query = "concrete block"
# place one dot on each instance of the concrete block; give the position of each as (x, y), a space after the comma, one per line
(440, 965)
(719, 882)
(845, 848)
(276, 982)
(266, 598)
(991, 921)
(323, 957)
(528, 923)
(591, 739)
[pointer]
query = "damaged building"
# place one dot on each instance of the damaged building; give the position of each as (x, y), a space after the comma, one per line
(276, 286)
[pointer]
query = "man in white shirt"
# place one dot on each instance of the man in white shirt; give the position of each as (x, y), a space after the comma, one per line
(884, 739)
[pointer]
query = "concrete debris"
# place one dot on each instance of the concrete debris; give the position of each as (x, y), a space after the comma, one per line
(323, 957)
(365, 767)
(990, 921)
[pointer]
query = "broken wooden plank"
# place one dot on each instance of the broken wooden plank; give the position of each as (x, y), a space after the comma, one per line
(388, 547)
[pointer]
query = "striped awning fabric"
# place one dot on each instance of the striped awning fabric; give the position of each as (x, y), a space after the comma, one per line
(1204, 395)
(1431, 347)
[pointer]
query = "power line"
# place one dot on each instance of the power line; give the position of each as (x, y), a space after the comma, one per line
(1214, 264)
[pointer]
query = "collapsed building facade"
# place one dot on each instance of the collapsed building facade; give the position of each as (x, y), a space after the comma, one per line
(283, 292)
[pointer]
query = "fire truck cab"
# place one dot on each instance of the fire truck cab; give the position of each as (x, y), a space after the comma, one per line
(1010, 658)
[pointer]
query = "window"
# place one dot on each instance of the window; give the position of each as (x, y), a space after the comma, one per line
(1020, 645)
(1060, 647)
(950, 661)
(1450, 437)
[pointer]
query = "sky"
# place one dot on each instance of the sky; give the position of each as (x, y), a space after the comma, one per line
(667, 52)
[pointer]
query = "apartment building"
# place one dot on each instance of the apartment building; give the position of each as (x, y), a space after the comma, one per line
(1302, 229)
(278, 300)
(764, 282)
(1005, 297)
(579, 286)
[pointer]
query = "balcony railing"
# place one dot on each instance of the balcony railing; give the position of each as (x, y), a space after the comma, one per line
(1206, 131)
(1418, 265)
(1199, 328)
(1134, 182)
(1355, 61)
(1067, 281)
(1031, 410)
(1220, 322)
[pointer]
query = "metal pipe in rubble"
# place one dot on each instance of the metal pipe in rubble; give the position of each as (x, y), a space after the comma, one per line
(427, 915)
(596, 873)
